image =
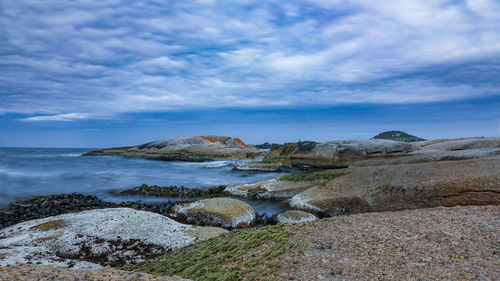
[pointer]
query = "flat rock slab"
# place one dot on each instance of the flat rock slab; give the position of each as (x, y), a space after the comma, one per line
(406, 186)
(97, 237)
(42, 273)
(458, 243)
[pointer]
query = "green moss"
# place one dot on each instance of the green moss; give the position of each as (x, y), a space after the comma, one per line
(236, 255)
(318, 175)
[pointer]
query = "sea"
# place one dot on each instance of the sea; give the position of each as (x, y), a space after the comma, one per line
(29, 172)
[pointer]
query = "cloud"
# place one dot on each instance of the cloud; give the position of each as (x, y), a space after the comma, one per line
(59, 117)
(110, 57)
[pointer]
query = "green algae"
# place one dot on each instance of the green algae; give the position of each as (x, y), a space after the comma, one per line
(236, 255)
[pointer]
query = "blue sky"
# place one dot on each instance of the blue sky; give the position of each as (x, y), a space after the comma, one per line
(103, 73)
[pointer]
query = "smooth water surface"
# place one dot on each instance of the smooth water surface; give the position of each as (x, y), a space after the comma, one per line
(28, 172)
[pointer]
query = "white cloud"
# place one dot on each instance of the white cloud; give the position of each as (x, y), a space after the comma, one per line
(111, 57)
(59, 117)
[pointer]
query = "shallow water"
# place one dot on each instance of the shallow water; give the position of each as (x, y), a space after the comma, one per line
(28, 172)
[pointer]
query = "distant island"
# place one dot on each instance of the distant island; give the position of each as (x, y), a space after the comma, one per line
(397, 136)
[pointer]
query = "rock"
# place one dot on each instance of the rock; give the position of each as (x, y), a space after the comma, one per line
(294, 216)
(334, 154)
(187, 148)
(441, 150)
(47, 206)
(274, 189)
(406, 186)
(95, 238)
(337, 154)
(397, 136)
(225, 212)
(267, 145)
(260, 167)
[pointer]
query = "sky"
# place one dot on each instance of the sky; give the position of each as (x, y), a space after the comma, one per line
(87, 73)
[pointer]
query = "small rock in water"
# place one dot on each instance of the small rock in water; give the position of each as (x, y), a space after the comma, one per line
(225, 212)
(294, 216)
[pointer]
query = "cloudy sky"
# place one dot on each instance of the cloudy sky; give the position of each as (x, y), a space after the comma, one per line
(114, 72)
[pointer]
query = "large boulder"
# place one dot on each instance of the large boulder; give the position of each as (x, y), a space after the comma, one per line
(406, 186)
(225, 212)
(187, 148)
(95, 238)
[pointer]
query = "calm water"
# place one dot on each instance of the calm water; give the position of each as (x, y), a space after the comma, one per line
(27, 172)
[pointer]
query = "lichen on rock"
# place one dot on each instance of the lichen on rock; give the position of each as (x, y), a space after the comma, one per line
(225, 212)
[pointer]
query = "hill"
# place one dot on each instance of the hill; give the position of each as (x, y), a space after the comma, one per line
(397, 136)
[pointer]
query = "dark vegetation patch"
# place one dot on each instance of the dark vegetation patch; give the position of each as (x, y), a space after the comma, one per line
(119, 252)
(316, 175)
(48, 206)
(237, 255)
(174, 191)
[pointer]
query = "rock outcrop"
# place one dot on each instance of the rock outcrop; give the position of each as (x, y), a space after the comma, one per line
(406, 186)
(225, 212)
(337, 154)
(294, 216)
(95, 238)
(187, 148)
(334, 154)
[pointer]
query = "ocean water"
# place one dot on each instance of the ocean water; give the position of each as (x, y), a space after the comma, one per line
(28, 172)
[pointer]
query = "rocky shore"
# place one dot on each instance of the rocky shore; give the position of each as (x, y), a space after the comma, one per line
(361, 210)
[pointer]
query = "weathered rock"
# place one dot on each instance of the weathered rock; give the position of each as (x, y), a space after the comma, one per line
(270, 189)
(295, 216)
(441, 150)
(260, 167)
(225, 212)
(187, 148)
(334, 154)
(97, 237)
(406, 186)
